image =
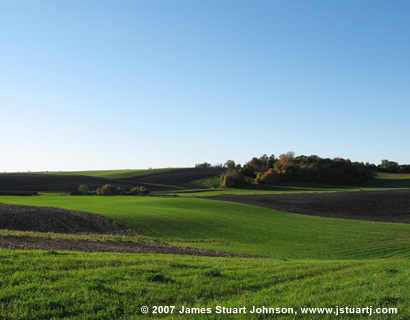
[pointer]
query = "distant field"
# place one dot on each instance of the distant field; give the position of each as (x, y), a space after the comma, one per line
(241, 228)
(382, 181)
(109, 174)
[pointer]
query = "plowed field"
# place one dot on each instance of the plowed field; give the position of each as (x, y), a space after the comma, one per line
(48, 219)
(381, 206)
(172, 180)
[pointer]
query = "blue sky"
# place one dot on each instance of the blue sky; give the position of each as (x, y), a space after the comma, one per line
(138, 84)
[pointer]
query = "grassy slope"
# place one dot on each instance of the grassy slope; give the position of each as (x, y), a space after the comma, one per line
(51, 285)
(241, 228)
(110, 174)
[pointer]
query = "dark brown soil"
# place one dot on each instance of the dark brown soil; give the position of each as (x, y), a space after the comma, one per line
(172, 180)
(48, 219)
(381, 206)
(49, 182)
(31, 243)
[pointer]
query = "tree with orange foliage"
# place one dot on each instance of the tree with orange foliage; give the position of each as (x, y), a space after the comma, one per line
(269, 177)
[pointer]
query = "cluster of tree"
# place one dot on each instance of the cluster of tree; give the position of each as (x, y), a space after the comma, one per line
(208, 165)
(232, 178)
(109, 189)
(203, 165)
(393, 167)
(315, 169)
(269, 170)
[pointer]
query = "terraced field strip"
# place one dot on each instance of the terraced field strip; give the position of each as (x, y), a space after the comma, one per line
(240, 228)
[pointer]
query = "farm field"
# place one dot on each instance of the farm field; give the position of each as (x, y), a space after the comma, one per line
(109, 174)
(203, 160)
(154, 180)
(303, 260)
(113, 174)
(383, 181)
(240, 228)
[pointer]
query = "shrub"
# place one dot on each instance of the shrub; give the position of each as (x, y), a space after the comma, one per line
(107, 189)
(83, 189)
(139, 191)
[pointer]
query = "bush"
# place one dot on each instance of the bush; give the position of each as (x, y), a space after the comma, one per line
(83, 189)
(107, 189)
(139, 191)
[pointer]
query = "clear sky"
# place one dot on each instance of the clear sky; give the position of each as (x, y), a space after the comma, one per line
(137, 84)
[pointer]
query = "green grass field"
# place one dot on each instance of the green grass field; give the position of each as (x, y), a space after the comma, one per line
(65, 285)
(309, 262)
(241, 228)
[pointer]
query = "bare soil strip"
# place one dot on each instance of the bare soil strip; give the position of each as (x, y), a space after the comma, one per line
(48, 219)
(380, 206)
(31, 243)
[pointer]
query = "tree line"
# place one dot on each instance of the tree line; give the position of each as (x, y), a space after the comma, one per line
(287, 167)
(393, 167)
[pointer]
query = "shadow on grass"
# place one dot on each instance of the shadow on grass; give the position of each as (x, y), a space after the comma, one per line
(297, 186)
(387, 183)
(381, 183)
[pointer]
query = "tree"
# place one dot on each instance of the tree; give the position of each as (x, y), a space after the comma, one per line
(388, 166)
(230, 164)
(203, 165)
(232, 178)
(269, 177)
(284, 158)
